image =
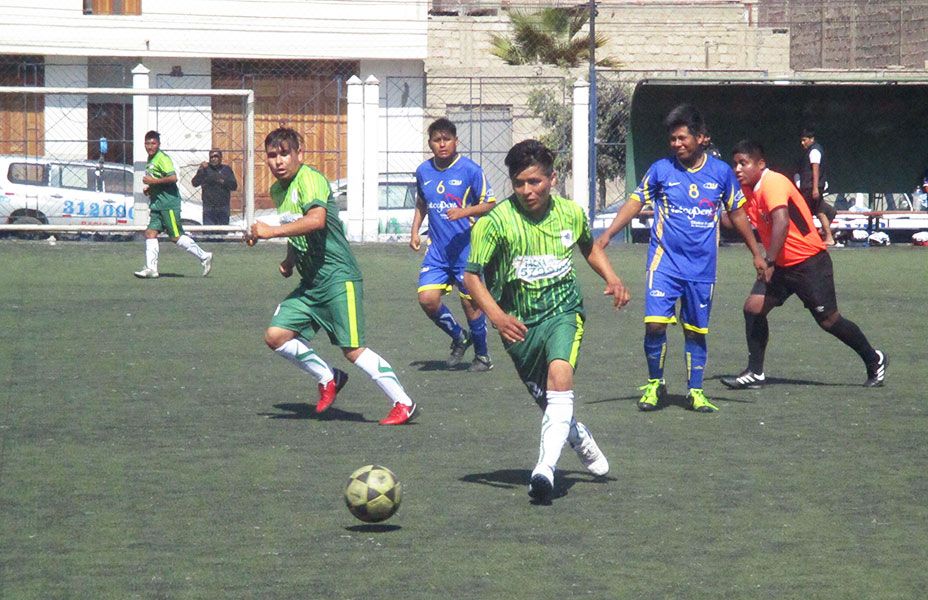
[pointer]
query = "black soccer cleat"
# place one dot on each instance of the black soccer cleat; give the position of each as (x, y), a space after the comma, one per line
(540, 488)
(746, 380)
(876, 372)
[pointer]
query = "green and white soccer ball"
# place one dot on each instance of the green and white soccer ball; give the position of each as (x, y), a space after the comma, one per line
(373, 493)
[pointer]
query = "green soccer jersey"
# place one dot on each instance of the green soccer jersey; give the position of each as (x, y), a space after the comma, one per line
(162, 196)
(527, 262)
(323, 256)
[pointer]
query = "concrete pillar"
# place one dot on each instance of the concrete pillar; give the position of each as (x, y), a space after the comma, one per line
(580, 143)
(371, 147)
(140, 80)
(355, 172)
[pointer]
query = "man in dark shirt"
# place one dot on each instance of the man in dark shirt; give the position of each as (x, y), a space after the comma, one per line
(813, 182)
(218, 182)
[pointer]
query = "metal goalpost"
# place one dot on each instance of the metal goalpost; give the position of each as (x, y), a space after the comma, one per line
(141, 121)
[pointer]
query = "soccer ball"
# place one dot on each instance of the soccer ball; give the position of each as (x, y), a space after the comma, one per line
(373, 493)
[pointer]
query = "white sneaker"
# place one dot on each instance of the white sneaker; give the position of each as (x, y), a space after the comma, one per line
(146, 273)
(589, 453)
(207, 264)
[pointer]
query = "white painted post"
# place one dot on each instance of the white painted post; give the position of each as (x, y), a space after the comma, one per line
(580, 140)
(355, 159)
(371, 147)
(140, 80)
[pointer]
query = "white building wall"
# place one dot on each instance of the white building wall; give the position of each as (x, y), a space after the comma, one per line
(221, 28)
(66, 115)
(401, 124)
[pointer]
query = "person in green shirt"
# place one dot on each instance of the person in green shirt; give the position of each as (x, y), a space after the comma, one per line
(330, 294)
(160, 180)
(523, 249)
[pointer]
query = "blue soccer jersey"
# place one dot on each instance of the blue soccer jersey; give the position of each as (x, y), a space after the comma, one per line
(685, 232)
(459, 185)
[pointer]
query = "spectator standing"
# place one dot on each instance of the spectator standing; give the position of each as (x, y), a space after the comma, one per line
(813, 181)
(218, 182)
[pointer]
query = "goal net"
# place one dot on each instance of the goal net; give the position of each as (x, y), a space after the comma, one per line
(72, 159)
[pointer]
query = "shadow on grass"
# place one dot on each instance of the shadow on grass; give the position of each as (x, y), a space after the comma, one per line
(300, 410)
(373, 528)
(437, 365)
(516, 478)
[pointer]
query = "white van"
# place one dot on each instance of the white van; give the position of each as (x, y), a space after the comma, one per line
(40, 190)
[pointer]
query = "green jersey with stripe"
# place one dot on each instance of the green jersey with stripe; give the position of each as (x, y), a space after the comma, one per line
(323, 256)
(526, 263)
(163, 196)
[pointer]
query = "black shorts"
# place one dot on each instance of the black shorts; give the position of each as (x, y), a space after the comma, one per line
(812, 280)
(818, 206)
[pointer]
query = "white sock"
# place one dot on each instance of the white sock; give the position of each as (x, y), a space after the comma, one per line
(186, 242)
(297, 352)
(151, 253)
(555, 427)
(382, 373)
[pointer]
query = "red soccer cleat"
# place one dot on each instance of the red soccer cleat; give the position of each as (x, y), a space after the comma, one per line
(399, 414)
(328, 391)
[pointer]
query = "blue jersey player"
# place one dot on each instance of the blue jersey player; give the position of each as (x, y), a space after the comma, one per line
(453, 192)
(688, 191)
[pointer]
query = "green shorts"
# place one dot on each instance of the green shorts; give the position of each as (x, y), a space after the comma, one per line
(340, 313)
(166, 220)
(557, 338)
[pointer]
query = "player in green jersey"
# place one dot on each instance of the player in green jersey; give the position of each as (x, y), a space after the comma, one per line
(330, 293)
(161, 182)
(523, 249)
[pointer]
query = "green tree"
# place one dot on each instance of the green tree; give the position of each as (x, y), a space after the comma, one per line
(612, 118)
(550, 36)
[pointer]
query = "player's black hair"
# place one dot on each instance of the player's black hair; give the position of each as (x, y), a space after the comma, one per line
(153, 135)
(284, 137)
(749, 148)
(808, 131)
(685, 115)
(528, 153)
(444, 125)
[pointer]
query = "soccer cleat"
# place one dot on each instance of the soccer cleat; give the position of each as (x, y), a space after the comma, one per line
(541, 485)
(399, 414)
(328, 391)
(589, 453)
(458, 348)
(147, 273)
(746, 380)
(654, 392)
(207, 264)
(481, 364)
(698, 401)
(876, 372)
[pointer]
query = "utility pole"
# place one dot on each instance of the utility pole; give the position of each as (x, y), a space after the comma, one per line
(593, 111)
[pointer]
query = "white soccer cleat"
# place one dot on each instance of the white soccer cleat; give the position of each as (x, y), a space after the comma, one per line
(147, 273)
(207, 264)
(589, 453)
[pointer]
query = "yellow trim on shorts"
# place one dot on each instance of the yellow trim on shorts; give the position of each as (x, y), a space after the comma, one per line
(444, 287)
(702, 330)
(667, 320)
(575, 348)
(352, 314)
(174, 231)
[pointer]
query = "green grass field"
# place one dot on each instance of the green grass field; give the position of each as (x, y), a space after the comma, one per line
(152, 447)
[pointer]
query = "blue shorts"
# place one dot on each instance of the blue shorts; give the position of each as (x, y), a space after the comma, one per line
(661, 294)
(436, 275)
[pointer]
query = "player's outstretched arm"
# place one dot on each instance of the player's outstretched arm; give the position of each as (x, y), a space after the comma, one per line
(313, 220)
(629, 211)
(476, 211)
(510, 328)
(598, 261)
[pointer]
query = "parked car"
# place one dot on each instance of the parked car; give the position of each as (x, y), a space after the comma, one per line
(396, 193)
(641, 225)
(41, 190)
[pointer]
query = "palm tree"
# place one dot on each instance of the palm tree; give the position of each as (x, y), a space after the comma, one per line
(550, 36)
